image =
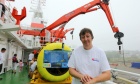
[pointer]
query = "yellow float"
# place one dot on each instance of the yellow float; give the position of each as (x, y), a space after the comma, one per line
(52, 74)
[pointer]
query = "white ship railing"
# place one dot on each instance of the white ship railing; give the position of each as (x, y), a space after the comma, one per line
(128, 81)
(127, 72)
(29, 43)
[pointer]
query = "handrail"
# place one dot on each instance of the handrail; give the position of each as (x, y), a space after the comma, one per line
(127, 72)
(125, 79)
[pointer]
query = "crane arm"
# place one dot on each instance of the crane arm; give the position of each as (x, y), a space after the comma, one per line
(109, 17)
(67, 30)
(67, 17)
(89, 7)
(85, 9)
(28, 32)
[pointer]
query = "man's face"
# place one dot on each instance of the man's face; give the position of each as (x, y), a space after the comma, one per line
(86, 39)
(3, 51)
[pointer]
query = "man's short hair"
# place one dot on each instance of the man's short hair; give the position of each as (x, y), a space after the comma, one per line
(3, 49)
(84, 31)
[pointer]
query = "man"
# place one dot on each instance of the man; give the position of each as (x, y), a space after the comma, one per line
(31, 56)
(88, 64)
(32, 68)
(30, 59)
(2, 59)
(34, 64)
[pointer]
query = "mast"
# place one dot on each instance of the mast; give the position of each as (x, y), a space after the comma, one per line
(37, 19)
(38, 22)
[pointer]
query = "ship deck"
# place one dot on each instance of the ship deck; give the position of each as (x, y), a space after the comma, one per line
(22, 77)
(18, 78)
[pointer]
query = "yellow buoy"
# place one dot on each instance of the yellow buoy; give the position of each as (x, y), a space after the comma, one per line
(45, 73)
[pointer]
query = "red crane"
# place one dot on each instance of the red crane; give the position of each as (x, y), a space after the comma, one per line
(60, 34)
(89, 7)
(56, 35)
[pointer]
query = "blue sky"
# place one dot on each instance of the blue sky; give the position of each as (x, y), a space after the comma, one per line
(126, 15)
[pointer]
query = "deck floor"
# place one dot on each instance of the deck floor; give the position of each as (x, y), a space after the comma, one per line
(18, 78)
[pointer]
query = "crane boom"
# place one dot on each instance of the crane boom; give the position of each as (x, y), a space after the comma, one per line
(89, 7)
